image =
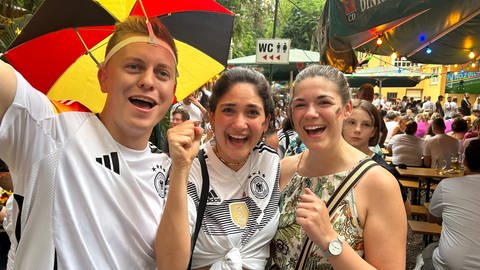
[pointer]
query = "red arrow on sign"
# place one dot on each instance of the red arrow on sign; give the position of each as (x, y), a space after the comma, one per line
(271, 57)
(278, 57)
(265, 57)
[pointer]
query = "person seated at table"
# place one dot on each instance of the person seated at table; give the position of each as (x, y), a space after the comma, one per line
(400, 128)
(362, 131)
(459, 129)
(422, 124)
(441, 147)
(455, 205)
(407, 148)
(475, 130)
(391, 121)
(365, 92)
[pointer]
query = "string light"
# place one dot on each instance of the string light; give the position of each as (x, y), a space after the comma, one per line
(471, 55)
(394, 55)
(379, 41)
(428, 50)
(474, 65)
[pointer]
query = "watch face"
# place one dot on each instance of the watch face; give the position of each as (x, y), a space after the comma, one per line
(335, 247)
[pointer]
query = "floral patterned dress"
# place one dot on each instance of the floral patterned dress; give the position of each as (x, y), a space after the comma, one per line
(290, 238)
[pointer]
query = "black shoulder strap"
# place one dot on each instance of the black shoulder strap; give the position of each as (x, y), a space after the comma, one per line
(348, 183)
(202, 204)
(287, 140)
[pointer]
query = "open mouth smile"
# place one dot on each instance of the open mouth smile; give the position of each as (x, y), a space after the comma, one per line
(142, 102)
(238, 138)
(314, 130)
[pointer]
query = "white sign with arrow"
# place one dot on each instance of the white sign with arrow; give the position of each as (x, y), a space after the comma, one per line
(272, 51)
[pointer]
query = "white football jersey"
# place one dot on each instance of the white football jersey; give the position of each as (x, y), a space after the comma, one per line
(81, 200)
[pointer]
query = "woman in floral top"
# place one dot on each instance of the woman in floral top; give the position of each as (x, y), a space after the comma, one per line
(369, 227)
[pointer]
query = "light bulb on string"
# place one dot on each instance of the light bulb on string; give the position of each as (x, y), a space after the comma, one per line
(471, 55)
(474, 64)
(428, 50)
(394, 55)
(379, 41)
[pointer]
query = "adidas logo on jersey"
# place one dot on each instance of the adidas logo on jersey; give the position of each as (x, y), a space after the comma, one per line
(213, 197)
(110, 161)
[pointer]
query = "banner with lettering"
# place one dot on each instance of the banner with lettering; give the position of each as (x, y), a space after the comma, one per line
(463, 82)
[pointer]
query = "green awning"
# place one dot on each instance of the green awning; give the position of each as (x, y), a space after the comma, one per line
(385, 77)
(298, 60)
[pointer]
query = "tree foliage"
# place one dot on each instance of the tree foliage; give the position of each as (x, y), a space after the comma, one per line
(296, 20)
(14, 15)
(300, 22)
(253, 18)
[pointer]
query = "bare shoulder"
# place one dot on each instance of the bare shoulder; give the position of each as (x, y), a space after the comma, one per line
(378, 196)
(378, 180)
(288, 166)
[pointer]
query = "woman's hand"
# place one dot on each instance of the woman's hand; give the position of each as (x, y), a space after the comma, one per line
(312, 215)
(184, 142)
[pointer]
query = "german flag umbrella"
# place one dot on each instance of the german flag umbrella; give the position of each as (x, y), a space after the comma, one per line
(57, 49)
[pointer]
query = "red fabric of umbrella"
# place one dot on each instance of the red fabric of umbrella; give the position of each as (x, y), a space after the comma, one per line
(59, 34)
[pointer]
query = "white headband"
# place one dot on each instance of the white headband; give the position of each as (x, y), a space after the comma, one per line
(139, 39)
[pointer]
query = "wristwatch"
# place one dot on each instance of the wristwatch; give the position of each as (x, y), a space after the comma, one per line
(335, 247)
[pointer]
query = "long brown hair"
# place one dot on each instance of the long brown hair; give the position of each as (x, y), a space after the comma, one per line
(374, 115)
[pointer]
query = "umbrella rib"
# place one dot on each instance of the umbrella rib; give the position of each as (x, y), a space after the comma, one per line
(86, 48)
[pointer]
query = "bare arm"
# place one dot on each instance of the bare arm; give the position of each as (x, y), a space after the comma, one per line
(8, 85)
(202, 109)
(385, 224)
(172, 244)
(383, 218)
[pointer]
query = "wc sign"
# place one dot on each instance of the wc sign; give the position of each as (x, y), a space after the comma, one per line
(272, 51)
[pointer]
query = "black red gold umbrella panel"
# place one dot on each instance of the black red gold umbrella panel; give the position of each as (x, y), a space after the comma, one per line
(55, 62)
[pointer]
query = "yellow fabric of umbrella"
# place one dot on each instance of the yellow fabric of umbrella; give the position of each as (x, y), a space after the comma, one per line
(79, 82)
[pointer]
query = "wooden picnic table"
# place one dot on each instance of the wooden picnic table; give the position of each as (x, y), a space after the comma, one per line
(426, 172)
(425, 175)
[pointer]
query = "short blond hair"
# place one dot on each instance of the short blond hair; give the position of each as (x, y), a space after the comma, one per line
(137, 25)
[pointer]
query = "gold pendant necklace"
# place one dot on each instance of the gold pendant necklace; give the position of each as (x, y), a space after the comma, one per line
(228, 163)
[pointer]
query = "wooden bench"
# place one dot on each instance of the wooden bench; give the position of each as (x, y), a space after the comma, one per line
(419, 211)
(413, 187)
(426, 228)
(410, 184)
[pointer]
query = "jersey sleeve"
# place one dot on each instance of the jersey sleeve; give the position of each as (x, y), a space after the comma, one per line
(20, 129)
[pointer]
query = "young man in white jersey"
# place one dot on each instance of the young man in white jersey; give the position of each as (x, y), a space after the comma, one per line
(89, 189)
